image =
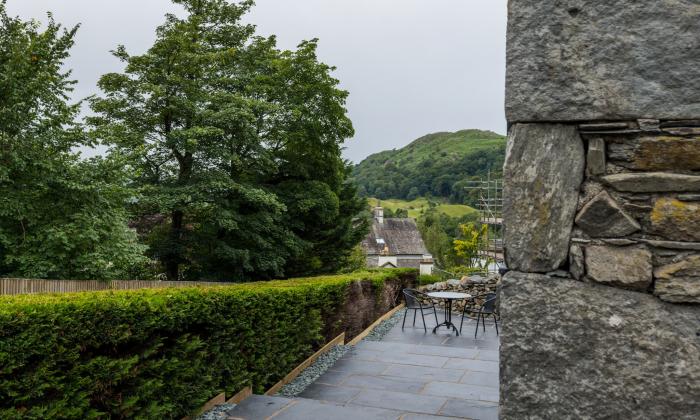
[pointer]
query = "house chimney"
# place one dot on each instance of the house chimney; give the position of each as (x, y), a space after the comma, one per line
(379, 214)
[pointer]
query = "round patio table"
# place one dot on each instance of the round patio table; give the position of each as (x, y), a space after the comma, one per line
(448, 297)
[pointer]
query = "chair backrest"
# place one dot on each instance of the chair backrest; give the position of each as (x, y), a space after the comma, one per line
(490, 303)
(412, 298)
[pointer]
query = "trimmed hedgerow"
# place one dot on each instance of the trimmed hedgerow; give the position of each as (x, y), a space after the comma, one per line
(161, 353)
(425, 279)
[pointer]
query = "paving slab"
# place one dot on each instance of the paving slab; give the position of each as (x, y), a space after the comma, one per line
(382, 382)
(423, 373)
(487, 379)
(475, 365)
(331, 393)
(258, 407)
(306, 409)
(475, 410)
(409, 375)
(461, 391)
(402, 401)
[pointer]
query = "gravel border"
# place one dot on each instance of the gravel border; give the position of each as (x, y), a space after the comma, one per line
(217, 413)
(381, 330)
(313, 372)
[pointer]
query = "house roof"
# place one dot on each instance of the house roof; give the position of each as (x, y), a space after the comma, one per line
(400, 236)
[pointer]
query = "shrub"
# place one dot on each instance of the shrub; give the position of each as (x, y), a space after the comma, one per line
(425, 279)
(161, 353)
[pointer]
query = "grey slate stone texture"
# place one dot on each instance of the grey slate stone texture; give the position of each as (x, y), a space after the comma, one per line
(680, 281)
(542, 175)
(628, 267)
(602, 217)
(582, 60)
(645, 182)
(595, 159)
(676, 220)
(580, 350)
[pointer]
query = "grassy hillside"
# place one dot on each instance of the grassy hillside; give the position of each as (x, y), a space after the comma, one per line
(415, 207)
(434, 165)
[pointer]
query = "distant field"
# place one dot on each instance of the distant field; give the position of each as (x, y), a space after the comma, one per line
(414, 207)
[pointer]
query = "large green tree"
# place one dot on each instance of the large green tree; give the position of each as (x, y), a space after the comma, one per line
(236, 144)
(60, 216)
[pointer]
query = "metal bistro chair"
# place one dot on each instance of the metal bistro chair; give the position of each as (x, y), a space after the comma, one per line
(415, 302)
(489, 307)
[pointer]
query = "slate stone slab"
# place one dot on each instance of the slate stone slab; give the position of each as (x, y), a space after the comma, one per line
(595, 157)
(676, 220)
(542, 175)
(304, 409)
(579, 60)
(680, 281)
(599, 352)
(646, 182)
(339, 394)
(462, 391)
(258, 407)
(628, 267)
(602, 217)
(476, 410)
(400, 401)
(657, 153)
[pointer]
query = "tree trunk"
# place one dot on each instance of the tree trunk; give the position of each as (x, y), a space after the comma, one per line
(172, 260)
(175, 257)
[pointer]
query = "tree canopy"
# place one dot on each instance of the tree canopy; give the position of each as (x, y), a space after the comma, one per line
(60, 216)
(234, 146)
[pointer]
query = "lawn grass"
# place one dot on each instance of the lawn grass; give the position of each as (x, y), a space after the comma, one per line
(415, 207)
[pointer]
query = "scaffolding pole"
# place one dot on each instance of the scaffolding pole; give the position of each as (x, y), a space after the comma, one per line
(489, 193)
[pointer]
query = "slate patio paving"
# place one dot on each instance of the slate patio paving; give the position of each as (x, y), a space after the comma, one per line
(410, 374)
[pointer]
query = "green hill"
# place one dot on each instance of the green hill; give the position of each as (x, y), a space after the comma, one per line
(435, 165)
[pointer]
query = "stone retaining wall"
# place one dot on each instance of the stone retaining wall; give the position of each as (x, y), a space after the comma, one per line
(601, 311)
(474, 285)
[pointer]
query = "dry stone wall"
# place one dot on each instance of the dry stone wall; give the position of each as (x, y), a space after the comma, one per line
(601, 309)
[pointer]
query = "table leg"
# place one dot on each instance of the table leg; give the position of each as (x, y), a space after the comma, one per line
(448, 318)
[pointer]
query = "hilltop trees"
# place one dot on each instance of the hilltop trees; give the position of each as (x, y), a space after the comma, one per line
(236, 144)
(60, 217)
(435, 165)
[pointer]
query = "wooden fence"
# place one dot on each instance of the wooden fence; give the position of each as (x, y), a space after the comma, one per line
(26, 286)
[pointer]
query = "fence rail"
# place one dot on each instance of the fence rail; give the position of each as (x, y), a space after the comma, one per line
(27, 286)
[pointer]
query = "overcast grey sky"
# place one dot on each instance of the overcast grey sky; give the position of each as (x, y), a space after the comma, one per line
(412, 66)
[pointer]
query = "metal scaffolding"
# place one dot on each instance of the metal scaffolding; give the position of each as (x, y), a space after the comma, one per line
(489, 193)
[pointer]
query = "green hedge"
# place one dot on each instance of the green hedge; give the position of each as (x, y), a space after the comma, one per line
(161, 353)
(425, 279)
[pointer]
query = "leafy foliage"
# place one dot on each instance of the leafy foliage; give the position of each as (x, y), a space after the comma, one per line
(161, 353)
(470, 240)
(60, 217)
(439, 232)
(237, 144)
(435, 165)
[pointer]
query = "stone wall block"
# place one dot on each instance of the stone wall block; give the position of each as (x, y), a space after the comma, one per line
(575, 350)
(595, 159)
(627, 267)
(657, 153)
(603, 217)
(542, 175)
(574, 60)
(576, 261)
(680, 281)
(676, 220)
(645, 182)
